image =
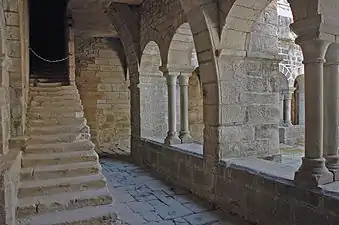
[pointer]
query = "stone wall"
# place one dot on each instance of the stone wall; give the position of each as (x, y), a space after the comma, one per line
(293, 135)
(102, 82)
(153, 94)
(10, 165)
(249, 188)
(195, 109)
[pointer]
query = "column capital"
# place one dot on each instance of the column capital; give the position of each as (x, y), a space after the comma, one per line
(313, 50)
(184, 78)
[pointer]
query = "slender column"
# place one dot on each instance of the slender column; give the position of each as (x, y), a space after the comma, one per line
(331, 68)
(172, 136)
(184, 126)
(281, 108)
(288, 104)
(313, 171)
(301, 108)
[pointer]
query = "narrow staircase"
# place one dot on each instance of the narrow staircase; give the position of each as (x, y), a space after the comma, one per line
(61, 180)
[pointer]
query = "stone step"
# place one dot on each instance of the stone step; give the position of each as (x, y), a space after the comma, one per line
(65, 201)
(49, 84)
(81, 145)
(60, 103)
(32, 160)
(38, 173)
(56, 97)
(98, 215)
(34, 93)
(38, 109)
(79, 128)
(57, 138)
(53, 89)
(61, 185)
(56, 122)
(52, 115)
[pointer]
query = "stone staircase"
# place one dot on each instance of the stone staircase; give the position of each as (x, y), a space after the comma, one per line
(61, 180)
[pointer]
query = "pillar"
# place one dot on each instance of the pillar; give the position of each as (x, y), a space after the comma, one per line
(313, 171)
(281, 108)
(301, 108)
(171, 79)
(184, 124)
(330, 144)
(288, 104)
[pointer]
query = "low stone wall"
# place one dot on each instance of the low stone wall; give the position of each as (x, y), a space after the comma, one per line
(10, 165)
(259, 191)
(293, 135)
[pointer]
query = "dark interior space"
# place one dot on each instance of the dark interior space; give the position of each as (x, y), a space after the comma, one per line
(48, 39)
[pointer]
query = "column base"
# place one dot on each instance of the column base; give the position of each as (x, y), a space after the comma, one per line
(312, 173)
(332, 164)
(185, 137)
(288, 124)
(172, 139)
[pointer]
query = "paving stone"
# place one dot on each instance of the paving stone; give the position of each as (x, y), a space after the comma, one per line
(148, 201)
(201, 218)
(140, 206)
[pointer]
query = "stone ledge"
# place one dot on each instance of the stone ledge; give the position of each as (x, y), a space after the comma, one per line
(259, 191)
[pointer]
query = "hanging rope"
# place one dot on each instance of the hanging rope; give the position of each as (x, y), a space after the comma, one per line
(47, 60)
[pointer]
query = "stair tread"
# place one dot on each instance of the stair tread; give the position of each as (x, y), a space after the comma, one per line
(62, 198)
(69, 216)
(29, 156)
(49, 168)
(52, 136)
(59, 181)
(60, 145)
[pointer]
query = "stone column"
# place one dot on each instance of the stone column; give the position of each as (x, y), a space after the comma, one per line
(288, 106)
(184, 125)
(331, 69)
(281, 108)
(301, 108)
(313, 171)
(171, 78)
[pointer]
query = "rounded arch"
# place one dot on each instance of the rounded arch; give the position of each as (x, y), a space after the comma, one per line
(153, 94)
(300, 82)
(283, 83)
(181, 48)
(240, 19)
(298, 100)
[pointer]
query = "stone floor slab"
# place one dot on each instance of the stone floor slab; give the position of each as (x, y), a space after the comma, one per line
(141, 199)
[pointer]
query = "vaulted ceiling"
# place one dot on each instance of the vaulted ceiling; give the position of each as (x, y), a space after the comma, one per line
(89, 19)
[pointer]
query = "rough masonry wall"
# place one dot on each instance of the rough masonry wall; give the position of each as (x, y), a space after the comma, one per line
(249, 94)
(16, 14)
(153, 95)
(239, 188)
(195, 109)
(102, 82)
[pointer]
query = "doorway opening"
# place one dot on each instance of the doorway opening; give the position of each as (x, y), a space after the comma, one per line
(48, 40)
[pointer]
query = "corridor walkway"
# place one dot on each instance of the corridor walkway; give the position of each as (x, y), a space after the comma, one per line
(140, 198)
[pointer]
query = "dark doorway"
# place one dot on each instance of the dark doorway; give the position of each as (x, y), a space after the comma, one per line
(48, 39)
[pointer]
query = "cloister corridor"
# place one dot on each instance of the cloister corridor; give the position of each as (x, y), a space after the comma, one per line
(168, 112)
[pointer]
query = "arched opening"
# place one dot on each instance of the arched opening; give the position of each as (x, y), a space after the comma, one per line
(48, 40)
(182, 59)
(153, 95)
(295, 103)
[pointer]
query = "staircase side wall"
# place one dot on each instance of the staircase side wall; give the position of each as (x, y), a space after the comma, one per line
(102, 81)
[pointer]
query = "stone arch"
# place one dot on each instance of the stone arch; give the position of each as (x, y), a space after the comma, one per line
(181, 48)
(118, 13)
(240, 19)
(196, 15)
(153, 94)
